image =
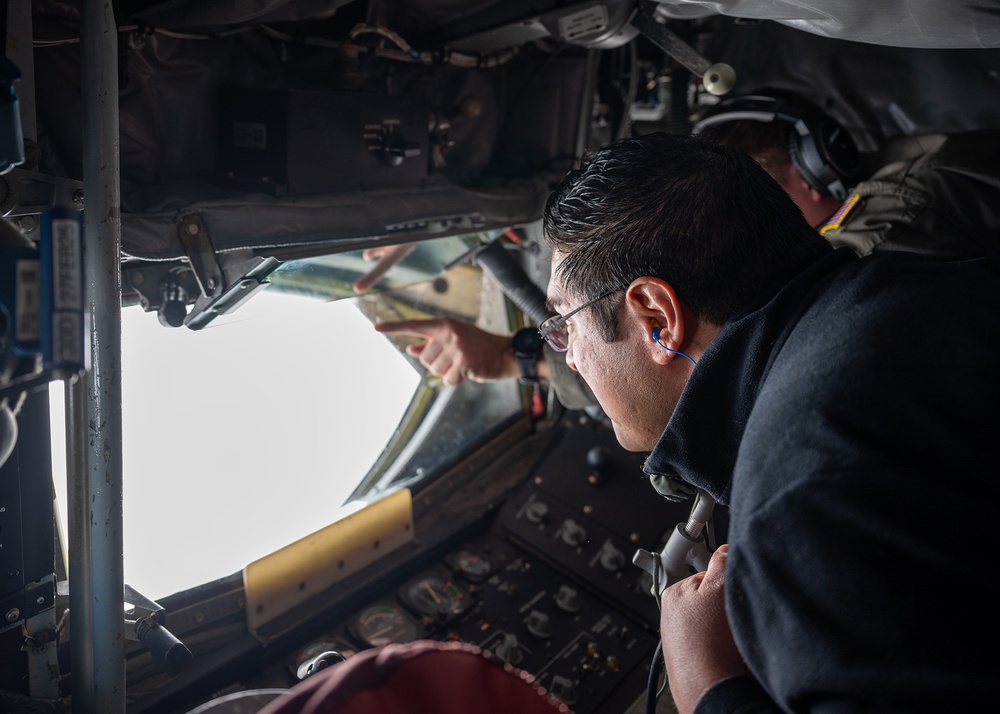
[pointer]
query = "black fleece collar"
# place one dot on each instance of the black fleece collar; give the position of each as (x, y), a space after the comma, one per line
(702, 438)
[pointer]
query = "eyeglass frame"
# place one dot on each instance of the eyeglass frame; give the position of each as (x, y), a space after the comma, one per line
(558, 322)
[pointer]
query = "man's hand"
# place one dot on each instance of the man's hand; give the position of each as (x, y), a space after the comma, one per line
(698, 647)
(456, 350)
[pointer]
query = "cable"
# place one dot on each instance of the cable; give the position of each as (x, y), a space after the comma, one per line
(656, 339)
(655, 667)
(515, 283)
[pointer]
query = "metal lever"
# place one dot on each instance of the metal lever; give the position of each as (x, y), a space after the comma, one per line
(169, 653)
(683, 550)
(716, 78)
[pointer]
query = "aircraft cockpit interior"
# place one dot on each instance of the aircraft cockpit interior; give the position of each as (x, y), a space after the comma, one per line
(217, 477)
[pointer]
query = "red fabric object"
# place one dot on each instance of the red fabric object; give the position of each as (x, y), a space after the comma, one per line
(422, 676)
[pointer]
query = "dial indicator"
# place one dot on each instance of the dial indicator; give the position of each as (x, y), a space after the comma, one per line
(472, 564)
(383, 624)
(436, 596)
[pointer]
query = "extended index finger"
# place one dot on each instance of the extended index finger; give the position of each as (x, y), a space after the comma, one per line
(423, 328)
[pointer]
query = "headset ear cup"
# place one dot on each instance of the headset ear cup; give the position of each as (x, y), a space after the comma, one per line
(825, 154)
(818, 146)
(805, 156)
(839, 150)
(795, 153)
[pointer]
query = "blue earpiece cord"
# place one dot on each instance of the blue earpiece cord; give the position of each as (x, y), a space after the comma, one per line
(656, 339)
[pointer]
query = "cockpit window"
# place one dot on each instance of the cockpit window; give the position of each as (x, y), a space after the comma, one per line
(256, 430)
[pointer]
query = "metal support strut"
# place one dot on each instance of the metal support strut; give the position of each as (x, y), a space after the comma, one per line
(93, 413)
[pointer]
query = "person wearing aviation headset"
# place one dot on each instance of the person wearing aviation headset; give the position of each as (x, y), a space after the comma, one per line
(937, 194)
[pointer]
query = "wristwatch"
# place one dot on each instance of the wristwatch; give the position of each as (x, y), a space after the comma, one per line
(527, 347)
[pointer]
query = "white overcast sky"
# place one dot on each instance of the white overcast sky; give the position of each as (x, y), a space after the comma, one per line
(246, 435)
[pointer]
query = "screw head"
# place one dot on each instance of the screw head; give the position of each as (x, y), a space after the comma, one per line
(13, 615)
(192, 229)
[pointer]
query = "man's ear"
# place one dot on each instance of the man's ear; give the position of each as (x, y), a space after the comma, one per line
(650, 300)
(815, 206)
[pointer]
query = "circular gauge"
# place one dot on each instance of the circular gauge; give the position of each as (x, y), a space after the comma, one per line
(318, 647)
(383, 624)
(436, 596)
(472, 565)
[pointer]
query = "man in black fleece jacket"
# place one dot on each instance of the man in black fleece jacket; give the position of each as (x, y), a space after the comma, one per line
(844, 409)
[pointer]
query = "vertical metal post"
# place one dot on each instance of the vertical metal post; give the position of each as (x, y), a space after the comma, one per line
(93, 413)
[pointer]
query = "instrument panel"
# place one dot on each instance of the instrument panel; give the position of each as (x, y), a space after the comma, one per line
(548, 585)
(495, 595)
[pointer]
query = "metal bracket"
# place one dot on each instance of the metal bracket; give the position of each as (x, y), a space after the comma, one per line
(43, 656)
(193, 235)
(716, 78)
(243, 283)
(26, 194)
(155, 284)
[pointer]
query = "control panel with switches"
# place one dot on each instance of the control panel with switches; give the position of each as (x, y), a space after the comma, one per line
(547, 585)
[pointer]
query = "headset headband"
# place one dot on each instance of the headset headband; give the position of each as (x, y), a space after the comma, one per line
(820, 148)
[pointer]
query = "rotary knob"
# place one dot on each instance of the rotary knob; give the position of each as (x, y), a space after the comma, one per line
(610, 557)
(396, 149)
(539, 624)
(600, 462)
(564, 690)
(508, 650)
(536, 511)
(568, 599)
(573, 533)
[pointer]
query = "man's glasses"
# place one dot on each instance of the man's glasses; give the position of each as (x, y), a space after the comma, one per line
(554, 329)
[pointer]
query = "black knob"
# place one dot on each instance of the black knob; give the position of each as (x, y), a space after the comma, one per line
(395, 149)
(568, 599)
(508, 649)
(173, 308)
(169, 653)
(539, 624)
(172, 313)
(599, 458)
(537, 511)
(610, 557)
(572, 533)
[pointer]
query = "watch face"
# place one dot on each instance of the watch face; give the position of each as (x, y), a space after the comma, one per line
(527, 341)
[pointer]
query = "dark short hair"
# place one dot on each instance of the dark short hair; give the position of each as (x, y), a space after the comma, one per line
(704, 217)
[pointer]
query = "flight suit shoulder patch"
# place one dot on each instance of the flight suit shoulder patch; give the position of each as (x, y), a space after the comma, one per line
(837, 219)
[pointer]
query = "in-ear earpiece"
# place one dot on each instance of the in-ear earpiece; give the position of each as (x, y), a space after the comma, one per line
(656, 339)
